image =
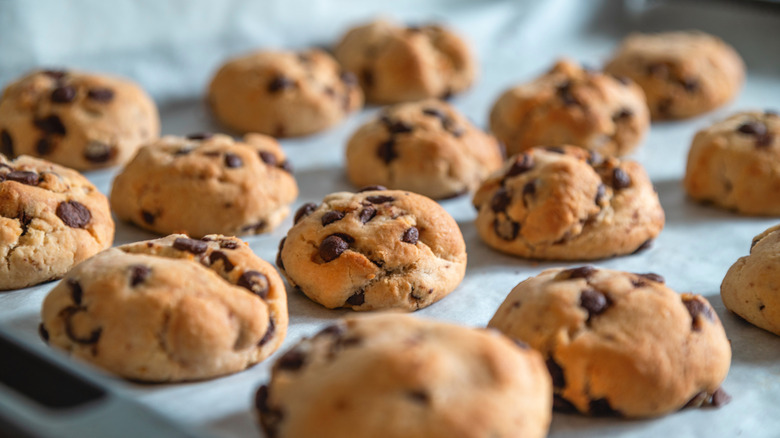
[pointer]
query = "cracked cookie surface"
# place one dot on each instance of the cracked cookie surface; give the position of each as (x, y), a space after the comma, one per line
(51, 218)
(391, 375)
(683, 74)
(400, 64)
(565, 203)
(749, 287)
(170, 309)
(80, 120)
(426, 147)
(618, 343)
(735, 164)
(575, 106)
(206, 184)
(283, 94)
(377, 249)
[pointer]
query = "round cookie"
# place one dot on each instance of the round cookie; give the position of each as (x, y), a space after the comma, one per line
(377, 249)
(426, 147)
(283, 94)
(749, 288)
(395, 376)
(565, 203)
(170, 309)
(735, 164)
(683, 74)
(399, 64)
(51, 218)
(206, 184)
(618, 343)
(575, 106)
(80, 120)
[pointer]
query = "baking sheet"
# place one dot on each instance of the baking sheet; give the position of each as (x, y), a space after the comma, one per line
(515, 41)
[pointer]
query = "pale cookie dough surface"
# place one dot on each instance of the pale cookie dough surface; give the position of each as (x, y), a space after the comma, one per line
(575, 106)
(618, 343)
(51, 218)
(389, 376)
(80, 120)
(426, 147)
(170, 309)
(377, 249)
(206, 184)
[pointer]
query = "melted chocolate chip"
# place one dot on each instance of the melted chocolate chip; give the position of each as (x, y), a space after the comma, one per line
(399, 127)
(68, 314)
(555, 150)
(594, 302)
(690, 84)
(620, 179)
(190, 245)
(560, 404)
(386, 151)
(419, 396)
(645, 245)
(556, 372)
(268, 158)
(43, 333)
(501, 200)
(653, 277)
(51, 125)
(292, 360)
(506, 229)
(695, 308)
(98, 152)
(411, 235)
(228, 244)
(434, 112)
(594, 158)
(623, 114)
(279, 254)
(200, 136)
(269, 332)
(233, 160)
(582, 272)
(332, 216)
(334, 245)
(148, 217)
(255, 282)
(44, 146)
(63, 94)
(139, 274)
(752, 128)
(216, 256)
(372, 189)
(23, 177)
(357, 299)
(55, 74)
(565, 94)
(379, 199)
(529, 189)
(304, 210)
(76, 292)
(280, 83)
(74, 214)
(102, 95)
(6, 143)
(523, 163)
(367, 214)
(601, 407)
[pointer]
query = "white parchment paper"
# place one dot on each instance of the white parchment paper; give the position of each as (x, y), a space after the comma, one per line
(172, 48)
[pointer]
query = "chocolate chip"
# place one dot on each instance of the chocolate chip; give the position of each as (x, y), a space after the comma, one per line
(68, 314)
(24, 221)
(601, 407)
(228, 244)
(658, 69)
(367, 214)
(581, 272)
(452, 128)
(645, 245)
(695, 308)
(523, 163)
(372, 189)
(447, 94)
(6, 143)
(419, 396)
(190, 245)
(529, 189)
(411, 235)
(594, 158)
(43, 333)
(279, 254)
(620, 179)
(183, 151)
(51, 125)
(560, 404)
(280, 83)
(720, 398)
(200, 136)
(500, 200)
(555, 149)
(556, 372)
(63, 94)
(690, 84)
(269, 333)
(593, 301)
(357, 299)
(216, 256)
(434, 112)
(333, 246)
(286, 166)
(653, 277)
(622, 79)
(233, 160)
(697, 400)
(270, 418)
(761, 307)
(76, 293)
(148, 217)
(304, 210)
(752, 128)
(348, 78)
(367, 77)
(55, 74)
(268, 158)
(98, 152)
(386, 151)
(506, 229)
(565, 94)
(332, 216)
(255, 282)
(102, 95)
(399, 127)
(23, 177)
(601, 191)
(74, 214)
(44, 146)
(623, 114)
(379, 199)
(292, 360)
(138, 274)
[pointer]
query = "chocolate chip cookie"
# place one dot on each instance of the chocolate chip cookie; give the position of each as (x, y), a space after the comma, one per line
(395, 376)
(51, 218)
(750, 286)
(170, 309)
(683, 74)
(205, 184)
(735, 164)
(618, 343)
(575, 106)
(283, 94)
(426, 147)
(565, 203)
(80, 120)
(377, 249)
(397, 63)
